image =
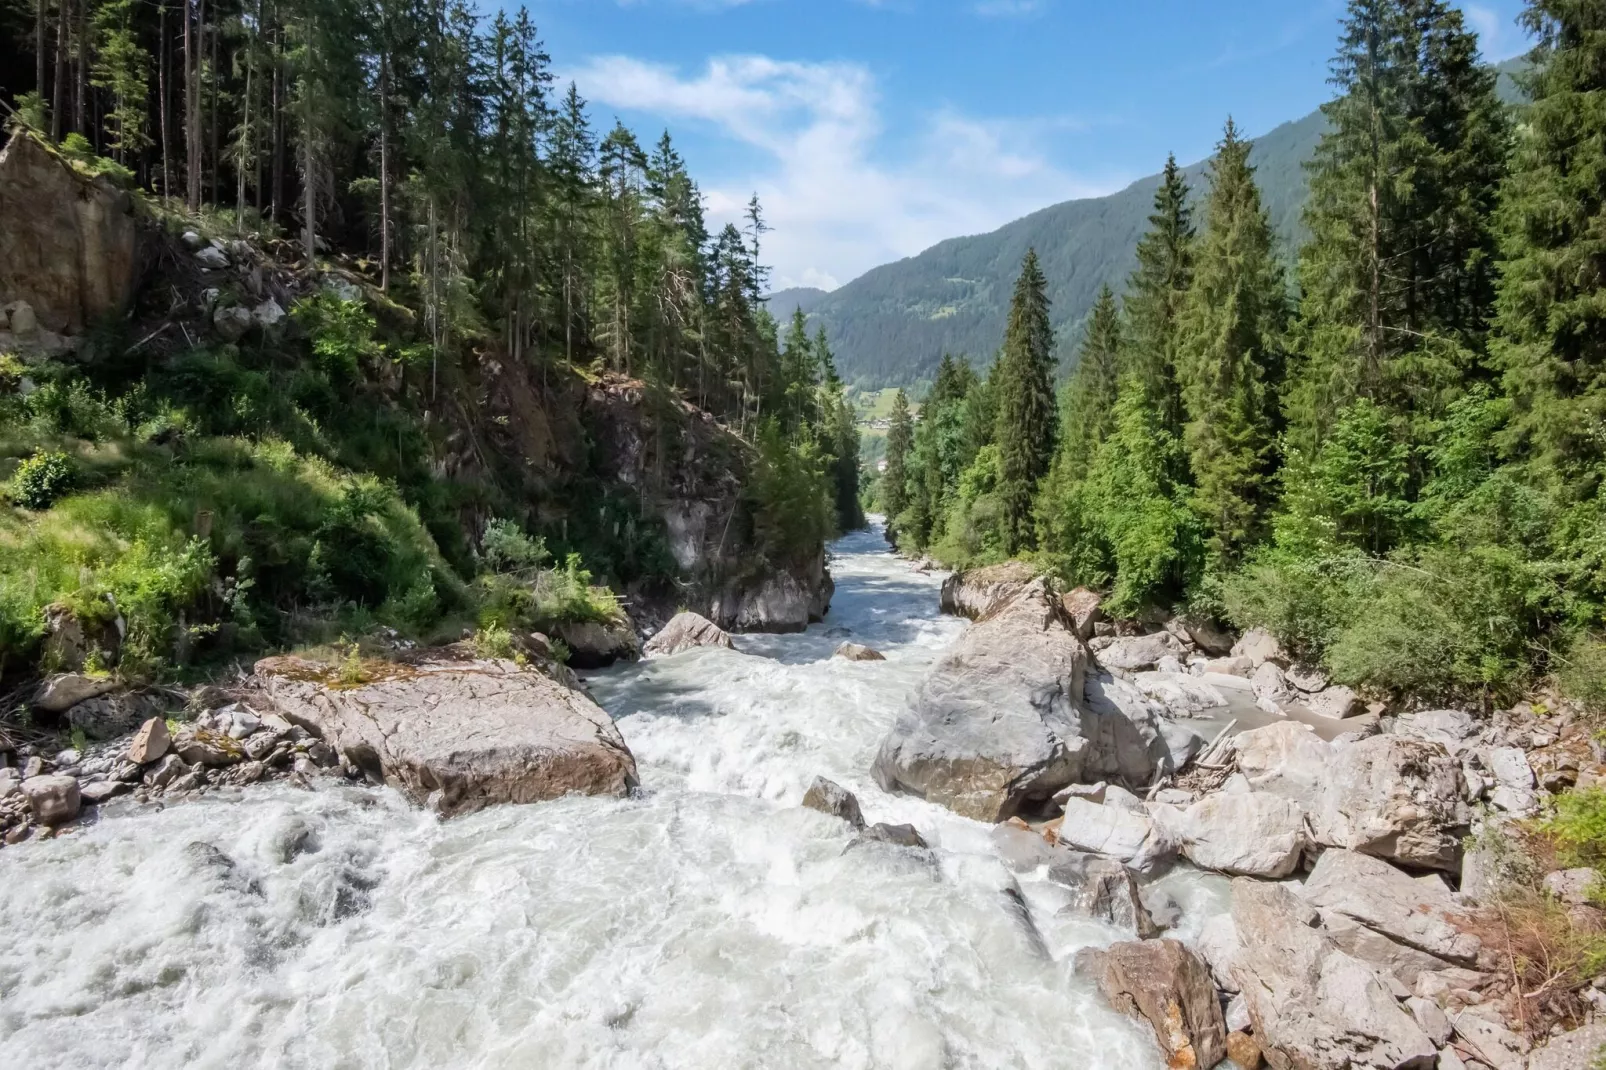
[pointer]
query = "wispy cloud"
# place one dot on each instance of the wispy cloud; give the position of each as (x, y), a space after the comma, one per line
(818, 165)
(1499, 36)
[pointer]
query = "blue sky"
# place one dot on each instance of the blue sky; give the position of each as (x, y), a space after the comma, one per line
(872, 129)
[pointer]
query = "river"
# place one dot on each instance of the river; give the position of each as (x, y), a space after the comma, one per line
(708, 923)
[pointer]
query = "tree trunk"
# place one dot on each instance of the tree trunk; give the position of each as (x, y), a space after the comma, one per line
(212, 110)
(309, 191)
(40, 15)
(245, 140)
(384, 173)
(192, 174)
(164, 59)
(58, 109)
(81, 98)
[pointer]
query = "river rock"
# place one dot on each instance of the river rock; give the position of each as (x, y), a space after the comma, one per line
(831, 798)
(461, 735)
(165, 772)
(1452, 729)
(101, 791)
(598, 644)
(1409, 911)
(1335, 703)
(1229, 666)
(1169, 986)
(230, 322)
(150, 742)
(1571, 886)
(1314, 1005)
(975, 591)
(1083, 609)
(1103, 889)
(59, 693)
(1133, 740)
(1179, 694)
(111, 715)
(784, 598)
(1259, 646)
(1307, 677)
(55, 799)
(1514, 779)
(1272, 692)
(1287, 759)
(1126, 836)
(1570, 1051)
(1137, 653)
(999, 722)
(68, 243)
(1219, 944)
(858, 652)
(896, 835)
(206, 747)
(1252, 834)
(684, 631)
(1244, 1051)
(1202, 632)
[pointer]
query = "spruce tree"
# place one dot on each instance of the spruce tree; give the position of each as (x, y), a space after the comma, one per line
(1089, 409)
(1397, 277)
(894, 478)
(1232, 330)
(1551, 343)
(1025, 400)
(1155, 296)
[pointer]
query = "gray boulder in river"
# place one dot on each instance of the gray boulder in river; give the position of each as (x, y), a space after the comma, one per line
(1001, 721)
(460, 735)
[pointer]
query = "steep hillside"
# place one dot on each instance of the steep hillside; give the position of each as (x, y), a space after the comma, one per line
(891, 326)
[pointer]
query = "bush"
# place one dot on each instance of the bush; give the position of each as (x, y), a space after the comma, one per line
(40, 480)
(506, 548)
(1577, 826)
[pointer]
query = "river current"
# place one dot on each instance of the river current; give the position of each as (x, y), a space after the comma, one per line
(709, 922)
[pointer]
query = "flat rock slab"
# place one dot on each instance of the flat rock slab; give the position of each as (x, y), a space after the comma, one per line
(460, 735)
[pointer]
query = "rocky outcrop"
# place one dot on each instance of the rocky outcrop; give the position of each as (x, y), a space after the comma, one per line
(1313, 1005)
(459, 735)
(1417, 913)
(975, 591)
(1248, 834)
(1570, 1051)
(684, 631)
(1127, 836)
(778, 599)
(68, 243)
(59, 693)
(1083, 609)
(598, 644)
(1137, 653)
(1166, 984)
(1001, 720)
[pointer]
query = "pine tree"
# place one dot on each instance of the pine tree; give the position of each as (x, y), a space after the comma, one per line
(894, 478)
(1155, 296)
(1397, 277)
(1089, 408)
(1025, 400)
(1551, 343)
(1232, 329)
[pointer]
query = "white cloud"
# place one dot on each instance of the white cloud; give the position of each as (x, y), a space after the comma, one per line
(1499, 36)
(815, 137)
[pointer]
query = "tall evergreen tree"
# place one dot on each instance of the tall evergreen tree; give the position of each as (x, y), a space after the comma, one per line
(895, 477)
(1155, 295)
(1232, 332)
(1025, 400)
(1397, 277)
(1089, 408)
(1551, 343)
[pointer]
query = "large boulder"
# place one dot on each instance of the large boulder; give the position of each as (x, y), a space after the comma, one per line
(1165, 983)
(55, 799)
(1127, 836)
(684, 631)
(1083, 609)
(779, 599)
(1000, 721)
(1259, 646)
(1415, 912)
(973, 592)
(829, 797)
(460, 735)
(1249, 834)
(59, 693)
(1312, 1004)
(1137, 653)
(1104, 889)
(68, 243)
(597, 644)
(1287, 759)
(1570, 1051)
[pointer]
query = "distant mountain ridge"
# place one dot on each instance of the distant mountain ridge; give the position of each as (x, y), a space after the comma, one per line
(892, 325)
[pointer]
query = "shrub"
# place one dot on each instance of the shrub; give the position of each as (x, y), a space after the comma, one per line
(342, 334)
(1577, 826)
(495, 642)
(40, 480)
(1582, 673)
(506, 548)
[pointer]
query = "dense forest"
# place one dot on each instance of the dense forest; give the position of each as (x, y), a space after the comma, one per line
(423, 149)
(1393, 459)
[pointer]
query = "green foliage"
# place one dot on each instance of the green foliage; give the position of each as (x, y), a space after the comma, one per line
(792, 503)
(1582, 673)
(41, 479)
(1088, 409)
(1577, 826)
(506, 548)
(976, 529)
(342, 334)
(1156, 295)
(895, 477)
(494, 642)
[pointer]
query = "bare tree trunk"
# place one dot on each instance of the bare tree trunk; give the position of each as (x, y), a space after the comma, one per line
(164, 61)
(384, 172)
(192, 165)
(245, 141)
(278, 128)
(58, 109)
(41, 14)
(212, 110)
(81, 98)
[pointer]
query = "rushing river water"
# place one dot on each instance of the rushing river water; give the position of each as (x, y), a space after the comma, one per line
(709, 923)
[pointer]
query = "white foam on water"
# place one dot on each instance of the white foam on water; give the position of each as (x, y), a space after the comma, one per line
(710, 922)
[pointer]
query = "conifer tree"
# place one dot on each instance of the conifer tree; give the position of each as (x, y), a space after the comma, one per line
(894, 478)
(1232, 330)
(1155, 295)
(1025, 401)
(1089, 409)
(1397, 277)
(1551, 343)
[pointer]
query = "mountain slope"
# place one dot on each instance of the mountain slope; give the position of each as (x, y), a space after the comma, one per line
(891, 326)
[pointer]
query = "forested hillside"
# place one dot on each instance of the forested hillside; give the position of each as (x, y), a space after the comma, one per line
(892, 325)
(394, 338)
(1399, 473)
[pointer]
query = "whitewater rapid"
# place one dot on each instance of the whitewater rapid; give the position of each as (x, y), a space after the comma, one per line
(708, 923)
